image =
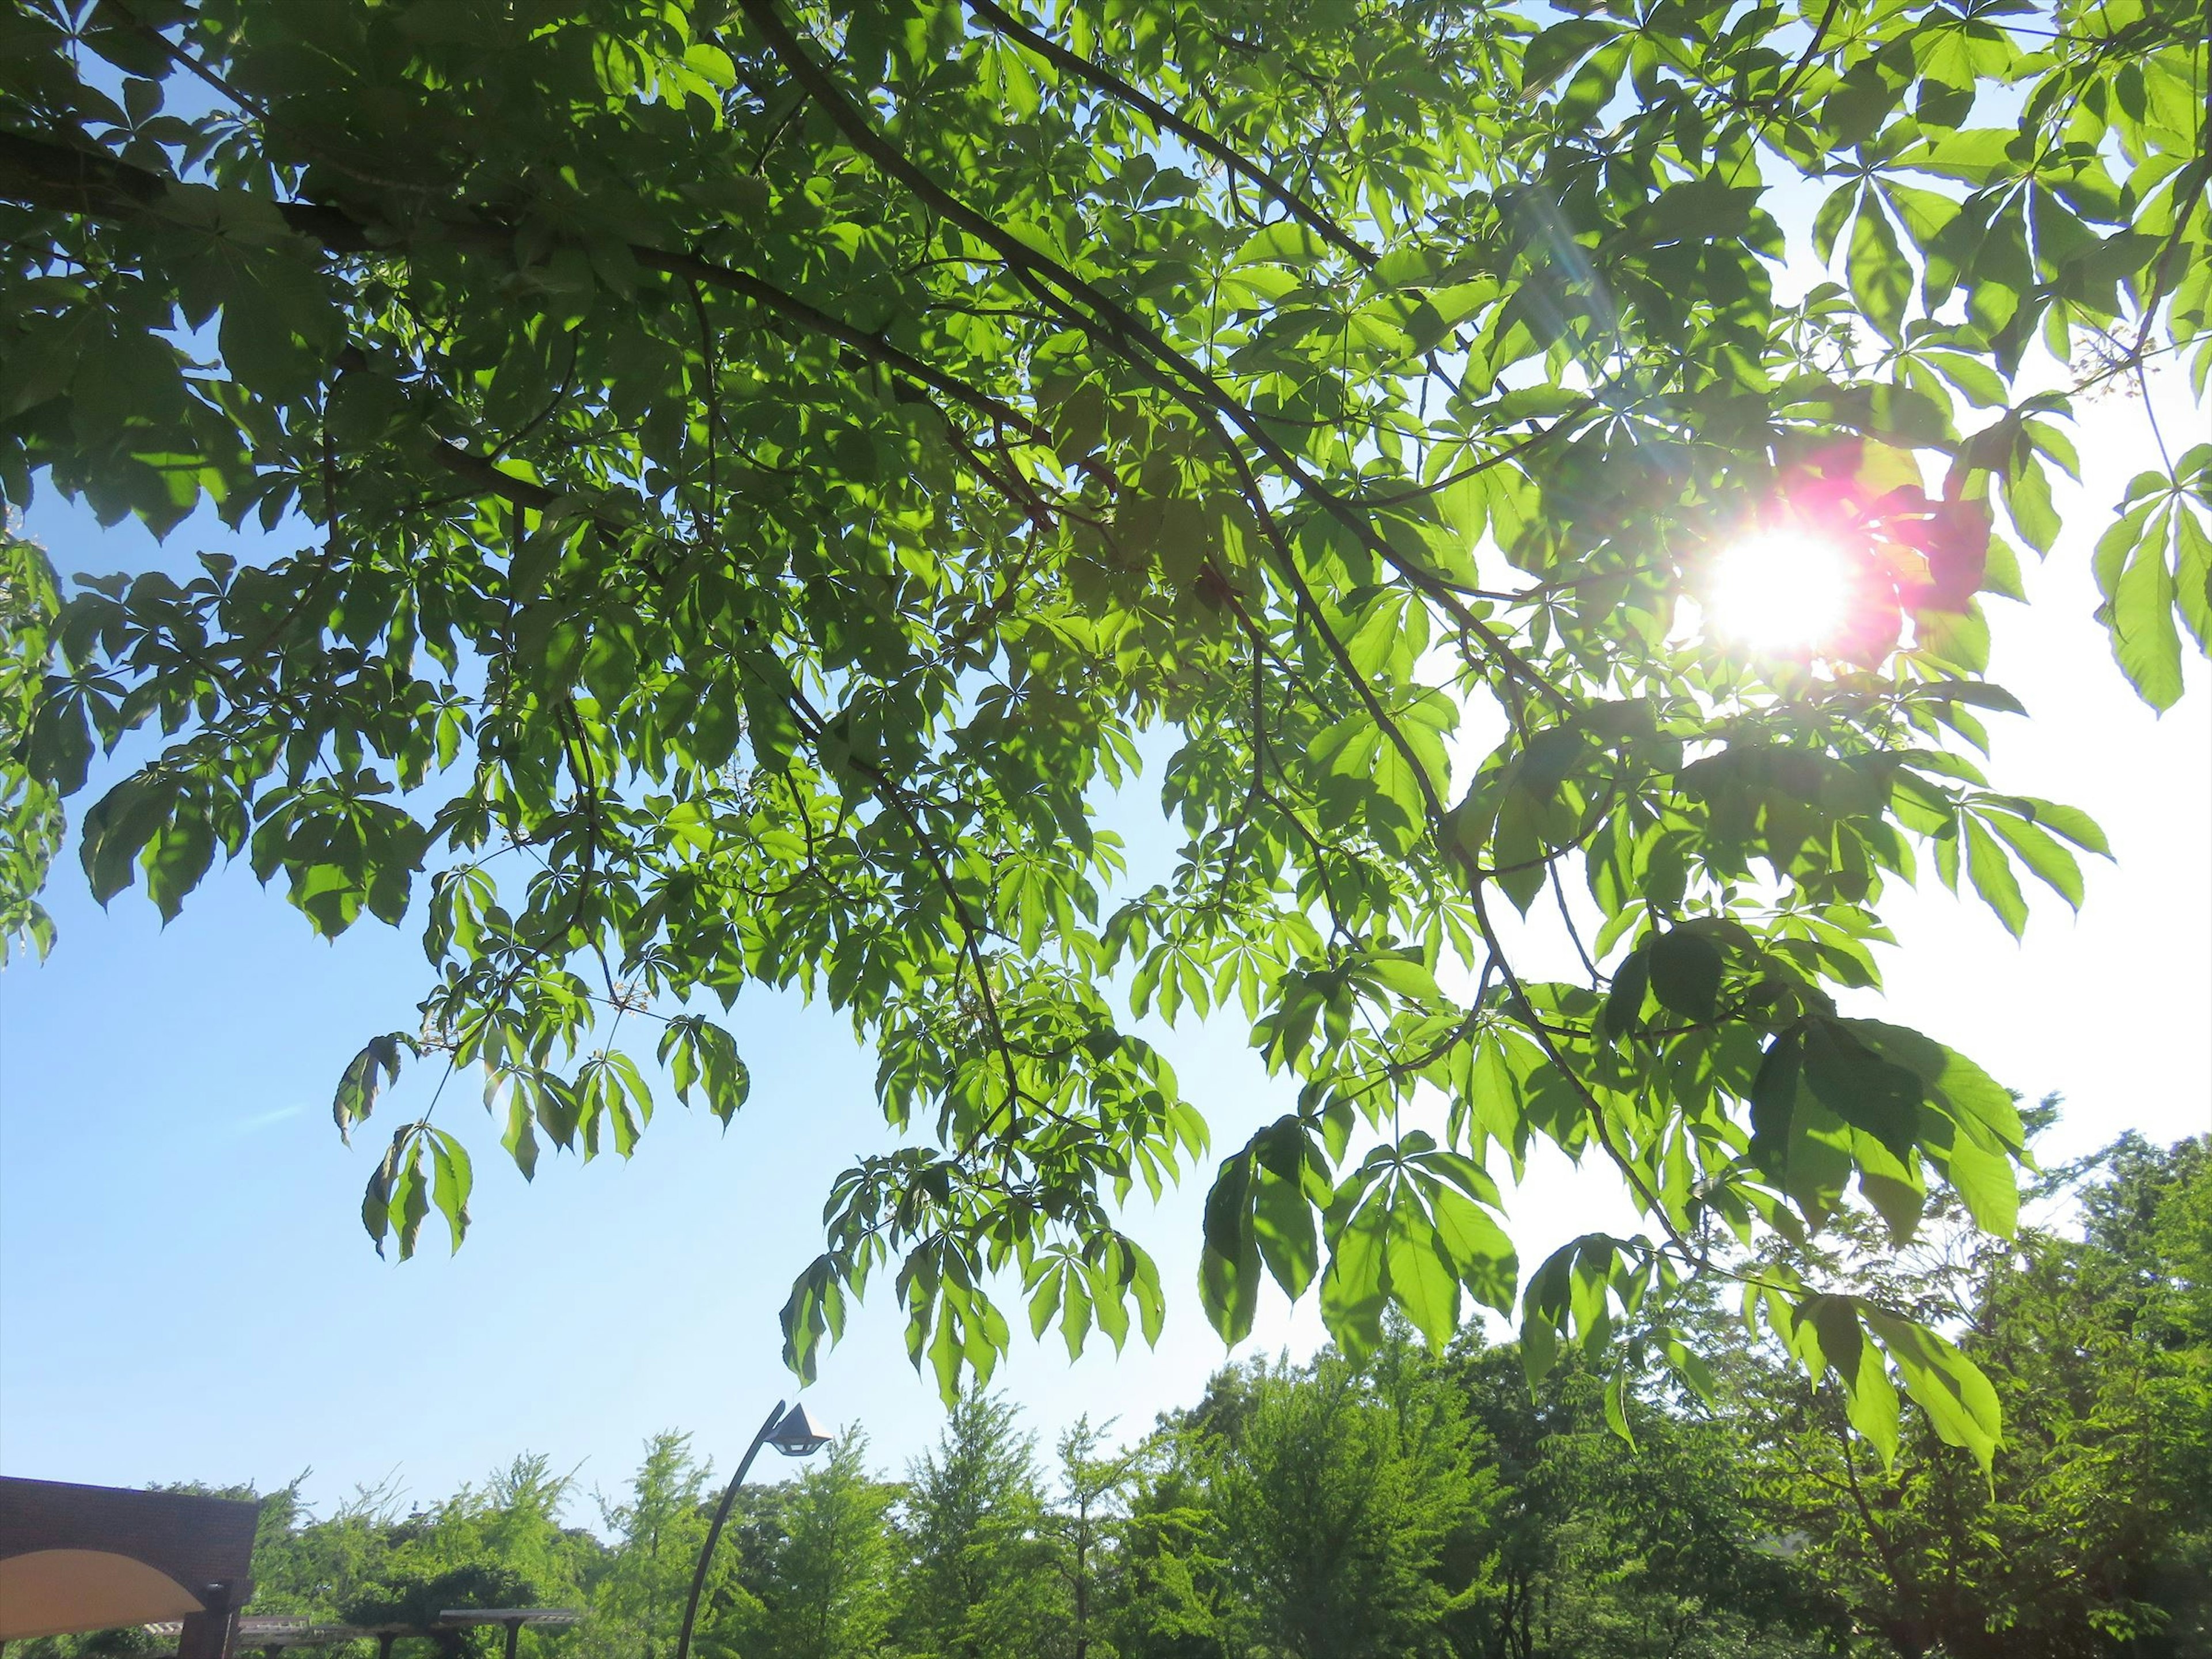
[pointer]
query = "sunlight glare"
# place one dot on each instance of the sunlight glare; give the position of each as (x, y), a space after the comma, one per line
(1779, 590)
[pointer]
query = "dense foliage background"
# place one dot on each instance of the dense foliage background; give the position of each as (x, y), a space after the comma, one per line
(1416, 1504)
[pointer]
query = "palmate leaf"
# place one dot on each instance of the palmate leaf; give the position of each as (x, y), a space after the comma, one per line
(728, 471)
(2154, 568)
(365, 1077)
(699, 1052)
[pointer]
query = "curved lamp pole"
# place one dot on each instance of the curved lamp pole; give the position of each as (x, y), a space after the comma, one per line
(792, 1433)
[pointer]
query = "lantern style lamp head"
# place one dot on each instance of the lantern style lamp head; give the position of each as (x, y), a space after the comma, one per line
(792, 1432)
(797, 1435)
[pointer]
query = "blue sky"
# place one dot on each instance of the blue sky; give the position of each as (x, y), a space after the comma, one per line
(185, 1291)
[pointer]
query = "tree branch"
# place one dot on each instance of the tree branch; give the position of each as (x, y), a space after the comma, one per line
(1087, 307)
(62, 178)
(1196, 137)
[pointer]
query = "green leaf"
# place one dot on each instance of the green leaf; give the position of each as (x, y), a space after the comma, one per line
(363, 1079)
(1422, 1280)
(1624, 1003)
(2070, 822)
(1993, 877)
(2052, 863)
(1881, 279)
(1075, 1310)
(1819, 1165)
(1686, 972)
(1561, 47)
(2144, 638)
(1774, 1099)
(1478, 1249)
(409, 1189)
(1984, 1181)
(1144, 1288)
(1109, 1299)
(1831, 1324)
(1285, 241)
(1861, 1088)
(117, 829)
(520, 1141)
(376, 1205)
(1354, 1290)
(451, 1181)
(1283, 1227)
(1616, 1410)
(699, 1052)
(808, 1314)
(2028, 499)
(278, 326)
(2192, 575)
(1229, 1266)
(1045, 1302)
(1961, 1088)
(1961, 1406)
(59, 748)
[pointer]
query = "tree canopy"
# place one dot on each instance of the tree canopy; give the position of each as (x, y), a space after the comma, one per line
(750, 481)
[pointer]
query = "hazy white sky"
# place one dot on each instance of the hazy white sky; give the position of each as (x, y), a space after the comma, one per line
(184, 1290)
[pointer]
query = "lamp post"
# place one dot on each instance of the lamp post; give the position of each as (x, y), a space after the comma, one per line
(792, 1432)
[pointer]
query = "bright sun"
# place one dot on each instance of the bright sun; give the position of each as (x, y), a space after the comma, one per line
(1780, 590)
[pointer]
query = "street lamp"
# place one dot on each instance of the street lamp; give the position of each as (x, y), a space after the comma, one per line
(792, 1432)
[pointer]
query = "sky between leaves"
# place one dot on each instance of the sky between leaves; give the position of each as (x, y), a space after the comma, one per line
(184, 1290)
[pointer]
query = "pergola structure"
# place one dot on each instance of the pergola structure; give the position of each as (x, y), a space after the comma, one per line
(99, 1557)
(93, 1558)
(273, 1634)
